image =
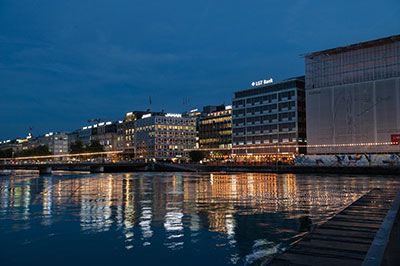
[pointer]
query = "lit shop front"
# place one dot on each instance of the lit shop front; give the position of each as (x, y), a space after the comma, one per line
(284, 154)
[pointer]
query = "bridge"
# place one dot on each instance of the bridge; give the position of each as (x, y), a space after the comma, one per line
(112, 161)
(99, 167)
(96, 162)
(93, 167)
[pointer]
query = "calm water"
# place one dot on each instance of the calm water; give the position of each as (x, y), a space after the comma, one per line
(164, 218)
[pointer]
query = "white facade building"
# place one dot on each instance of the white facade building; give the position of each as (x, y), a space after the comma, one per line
(164, 137)
(56, 142)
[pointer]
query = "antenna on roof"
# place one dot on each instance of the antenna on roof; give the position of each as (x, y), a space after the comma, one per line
(150, 103)
(185, 101)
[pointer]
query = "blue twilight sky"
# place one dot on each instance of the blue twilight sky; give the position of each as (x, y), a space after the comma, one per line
(63, 62)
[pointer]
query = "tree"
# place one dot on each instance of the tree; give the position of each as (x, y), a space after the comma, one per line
(7, 153)
(77, 147)
(196, 156)
(95, 146)
(41, 150)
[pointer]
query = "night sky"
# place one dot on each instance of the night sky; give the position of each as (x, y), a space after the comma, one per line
(64, 62)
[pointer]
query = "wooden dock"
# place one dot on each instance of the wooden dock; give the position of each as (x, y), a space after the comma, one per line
(344, 239)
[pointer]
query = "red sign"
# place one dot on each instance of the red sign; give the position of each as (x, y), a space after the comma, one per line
(395, 139)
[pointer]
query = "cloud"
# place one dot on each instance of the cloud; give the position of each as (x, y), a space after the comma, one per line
(80, 59)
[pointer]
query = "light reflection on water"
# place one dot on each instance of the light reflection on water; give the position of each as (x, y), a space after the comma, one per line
(166, 218)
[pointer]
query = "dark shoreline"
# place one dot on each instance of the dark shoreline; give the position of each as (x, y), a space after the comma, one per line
(229, 168)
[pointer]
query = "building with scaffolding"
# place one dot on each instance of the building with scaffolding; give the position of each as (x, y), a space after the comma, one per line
(353, 98)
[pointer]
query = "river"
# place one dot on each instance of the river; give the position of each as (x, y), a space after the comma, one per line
(165, 218)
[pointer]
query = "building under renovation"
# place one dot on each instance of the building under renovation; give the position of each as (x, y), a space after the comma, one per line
(353, 98)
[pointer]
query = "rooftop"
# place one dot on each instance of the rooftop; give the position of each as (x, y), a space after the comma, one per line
(356, 46)
(287, 83)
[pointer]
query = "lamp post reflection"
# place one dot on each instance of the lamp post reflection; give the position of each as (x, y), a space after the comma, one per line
(240, 212)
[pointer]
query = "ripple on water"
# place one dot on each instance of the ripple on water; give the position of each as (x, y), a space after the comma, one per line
(158, 218)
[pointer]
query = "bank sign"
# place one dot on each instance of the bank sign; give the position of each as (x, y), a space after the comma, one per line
(262, 82)
(395, 139)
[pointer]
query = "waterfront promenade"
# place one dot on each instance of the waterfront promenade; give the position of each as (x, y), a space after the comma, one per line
(361, 234)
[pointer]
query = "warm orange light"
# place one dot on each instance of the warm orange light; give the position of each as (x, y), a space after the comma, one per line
(62, 155)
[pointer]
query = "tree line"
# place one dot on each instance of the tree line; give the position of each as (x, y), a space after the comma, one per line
(43, 150)
(79, 147)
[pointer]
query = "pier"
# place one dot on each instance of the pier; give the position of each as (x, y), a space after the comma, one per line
(361, 234)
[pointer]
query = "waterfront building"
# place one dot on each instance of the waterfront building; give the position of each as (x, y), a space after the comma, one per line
(56, 142)
(106, 134)
(72, 138)
(164, 137)
(215, 132)
(126, 132)
(353, 98)
(200, 114)
(196, 114)
(121, 135)
(269, 121)
(10, 145)
(83, 134)
(19, 145)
